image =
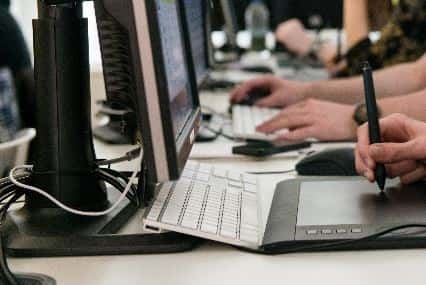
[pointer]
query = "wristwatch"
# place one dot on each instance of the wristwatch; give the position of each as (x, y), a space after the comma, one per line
(360, 115)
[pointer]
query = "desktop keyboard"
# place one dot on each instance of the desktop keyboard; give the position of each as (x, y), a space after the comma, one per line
(245, 119)
(208, 202)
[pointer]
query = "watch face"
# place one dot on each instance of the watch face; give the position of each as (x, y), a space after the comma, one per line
(361, 115)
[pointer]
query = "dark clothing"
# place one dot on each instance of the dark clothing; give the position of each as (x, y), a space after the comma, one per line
(13, 49)
(329, 10)
(5, 4)
(403, 39)
(15, 56)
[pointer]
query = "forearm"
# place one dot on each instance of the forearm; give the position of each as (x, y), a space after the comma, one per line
(401, 79)
(355, 21)
(412, 105)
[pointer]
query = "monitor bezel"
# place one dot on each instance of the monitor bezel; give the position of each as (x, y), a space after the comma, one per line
(163, 152)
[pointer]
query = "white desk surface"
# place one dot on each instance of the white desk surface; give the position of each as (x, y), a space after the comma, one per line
(214, 263)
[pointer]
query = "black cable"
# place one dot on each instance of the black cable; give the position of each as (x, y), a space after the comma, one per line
(17, 195)
(6, 274)
(116, 184)
(129, 156)
(122, 176)
(222, 134)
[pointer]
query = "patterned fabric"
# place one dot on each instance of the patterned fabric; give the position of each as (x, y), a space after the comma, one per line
(403, 39)
(9, 114)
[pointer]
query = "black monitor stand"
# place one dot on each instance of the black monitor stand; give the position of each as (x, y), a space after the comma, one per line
(65, 161)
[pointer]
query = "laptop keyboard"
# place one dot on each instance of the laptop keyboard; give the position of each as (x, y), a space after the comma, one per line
(210, 202)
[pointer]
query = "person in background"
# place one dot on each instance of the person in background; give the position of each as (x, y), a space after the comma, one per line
(330, 110)
(403, 150)
(403, 37)
(15, 56)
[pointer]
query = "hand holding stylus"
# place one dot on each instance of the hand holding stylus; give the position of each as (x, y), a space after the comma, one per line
(403, 150)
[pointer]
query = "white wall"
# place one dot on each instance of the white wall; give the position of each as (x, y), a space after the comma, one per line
(26, 10)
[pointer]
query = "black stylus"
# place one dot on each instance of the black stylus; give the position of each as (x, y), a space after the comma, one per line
(373, 120)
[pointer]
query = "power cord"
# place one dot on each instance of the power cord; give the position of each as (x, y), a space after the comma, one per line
(63, 206)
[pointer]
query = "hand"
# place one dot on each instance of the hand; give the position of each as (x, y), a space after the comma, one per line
(281, 92)
(292, 35)
(312, 118)
(403, 151)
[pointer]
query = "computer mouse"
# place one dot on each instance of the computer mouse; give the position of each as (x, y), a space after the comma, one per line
(332, 162)
(258, 69)
(205, 135)
(252, 97)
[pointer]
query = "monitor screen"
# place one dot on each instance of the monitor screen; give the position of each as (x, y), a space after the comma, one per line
(195, 17)
(177, 75)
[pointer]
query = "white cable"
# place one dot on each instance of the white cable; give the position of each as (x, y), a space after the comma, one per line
(65, 207)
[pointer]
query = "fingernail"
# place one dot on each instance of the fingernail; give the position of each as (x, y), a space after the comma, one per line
(369, 175)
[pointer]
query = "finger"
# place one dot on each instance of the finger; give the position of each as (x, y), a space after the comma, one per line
(284, 121)
(361, 166)
(363, 147)
(242, 90)
(393, 128)
(395, 152)
(269, 101)
(401, 168)
(414, 176)
(299, 134)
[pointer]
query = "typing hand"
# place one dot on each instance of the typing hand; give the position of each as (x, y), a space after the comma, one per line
(403, 151)
(312, 118)
(281, 92)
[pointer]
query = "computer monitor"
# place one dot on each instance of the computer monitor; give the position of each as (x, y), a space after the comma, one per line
(197, 33)
(158, 79)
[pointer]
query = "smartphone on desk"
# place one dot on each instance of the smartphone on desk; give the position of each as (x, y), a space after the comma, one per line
(263, 149)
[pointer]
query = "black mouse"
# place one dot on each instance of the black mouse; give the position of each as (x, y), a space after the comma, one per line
(333, 162)
(252, 97)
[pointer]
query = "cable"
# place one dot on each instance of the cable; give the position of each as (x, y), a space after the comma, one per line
(220, 133)
(65, 207)
(129, 156)
(7, 275)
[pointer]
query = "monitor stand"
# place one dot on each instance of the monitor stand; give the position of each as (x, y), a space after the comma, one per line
(65, 161)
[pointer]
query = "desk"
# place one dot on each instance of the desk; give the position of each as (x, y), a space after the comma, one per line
(214, 263)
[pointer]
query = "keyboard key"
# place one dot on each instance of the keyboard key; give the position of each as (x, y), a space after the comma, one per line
(205, 168)
(228, 233)
(249, 236)
(236, 176)
(191, 165)
(251, 179)
(187, 173)
(203, 177)
(250, 188)
(208, 228)
(220, 173)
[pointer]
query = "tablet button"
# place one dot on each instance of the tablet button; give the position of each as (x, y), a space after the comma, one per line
(341, 231)
(327, 232)
(311, 232)
(356, 230)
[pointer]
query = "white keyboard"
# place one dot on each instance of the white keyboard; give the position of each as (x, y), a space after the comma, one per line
(209, 202)
(245, 119)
